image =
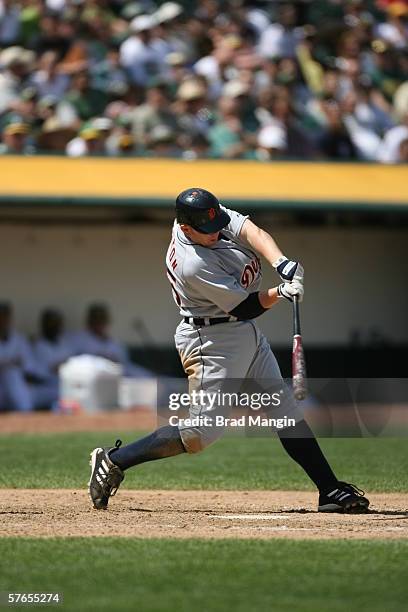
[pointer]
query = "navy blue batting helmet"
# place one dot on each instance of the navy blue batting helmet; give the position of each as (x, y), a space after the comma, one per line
(201, 209)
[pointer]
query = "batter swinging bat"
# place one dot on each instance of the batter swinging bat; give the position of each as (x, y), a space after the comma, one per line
(298, 357)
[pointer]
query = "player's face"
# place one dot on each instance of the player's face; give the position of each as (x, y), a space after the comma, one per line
(205, 240)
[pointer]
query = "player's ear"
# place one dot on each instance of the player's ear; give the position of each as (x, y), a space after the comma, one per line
(185, 228)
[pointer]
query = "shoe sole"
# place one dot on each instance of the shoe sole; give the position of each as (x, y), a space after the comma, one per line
(355, 508)
(92, 463)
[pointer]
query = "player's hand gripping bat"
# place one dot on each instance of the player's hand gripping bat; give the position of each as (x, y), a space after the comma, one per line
(298, 357)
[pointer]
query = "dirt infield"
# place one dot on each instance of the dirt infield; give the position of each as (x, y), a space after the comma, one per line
(179, 514)
(197, 514)
(44, 422)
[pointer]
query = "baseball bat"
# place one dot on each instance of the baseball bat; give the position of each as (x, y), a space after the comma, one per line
(298, 356)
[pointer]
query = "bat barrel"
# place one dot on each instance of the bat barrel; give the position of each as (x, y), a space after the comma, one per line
(298, 357)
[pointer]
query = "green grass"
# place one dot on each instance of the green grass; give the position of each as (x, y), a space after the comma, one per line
(210, 576)
(61, 460)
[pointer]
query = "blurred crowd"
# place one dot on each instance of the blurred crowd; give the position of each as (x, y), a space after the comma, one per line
(222, 79)
(29, 367)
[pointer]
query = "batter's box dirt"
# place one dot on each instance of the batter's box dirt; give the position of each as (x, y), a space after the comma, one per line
(196, 514)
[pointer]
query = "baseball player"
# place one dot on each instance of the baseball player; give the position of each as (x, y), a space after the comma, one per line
(96, 340)
(16, 363)
(51, 349)
(215, 274)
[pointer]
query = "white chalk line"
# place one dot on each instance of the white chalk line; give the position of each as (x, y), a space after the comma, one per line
(252, 517)
(281, 528)
(271, 517)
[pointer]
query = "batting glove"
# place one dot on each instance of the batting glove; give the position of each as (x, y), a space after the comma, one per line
(288, 290)
(289, 270)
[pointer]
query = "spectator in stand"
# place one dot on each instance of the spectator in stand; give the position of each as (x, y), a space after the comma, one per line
(16, 364)
(240, 90)
(214, 66)
(358, 120)
(281, 38)
(26, 106)
(55, 32)
(92, 139)
(140, 54)
(47, 78)
(10, 24)
(277, 110)
(385, 70)
(170, 35)
(272, 143)
(403, 152)
(246, 12)
(227, 135)
(197, 148)
(162, 142)
(15, 138)
(121, 140)
(390, 150)
(83, 100)
(177, 71)
(95, 339)
(394, 29)
(126, 145)
(54, 136)
(336, 142)
(155, 111)
(15, 63)
(108, 75)
(51, 349)
(192, 108)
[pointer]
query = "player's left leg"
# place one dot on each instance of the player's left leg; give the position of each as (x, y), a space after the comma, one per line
(300, 443)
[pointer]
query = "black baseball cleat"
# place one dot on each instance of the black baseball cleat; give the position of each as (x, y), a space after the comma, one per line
(346, 498)
(105, 476)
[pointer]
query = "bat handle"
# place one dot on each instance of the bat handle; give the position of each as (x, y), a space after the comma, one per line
(296, 316)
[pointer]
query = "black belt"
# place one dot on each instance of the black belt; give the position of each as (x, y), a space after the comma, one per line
(201, 321)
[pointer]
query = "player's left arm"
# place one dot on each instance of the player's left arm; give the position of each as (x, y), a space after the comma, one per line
(260, 241)
(263, 244)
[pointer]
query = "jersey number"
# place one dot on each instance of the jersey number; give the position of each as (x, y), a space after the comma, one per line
(250, 272)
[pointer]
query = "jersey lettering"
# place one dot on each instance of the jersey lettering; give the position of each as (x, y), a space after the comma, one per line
(173, 281)
(172, 255)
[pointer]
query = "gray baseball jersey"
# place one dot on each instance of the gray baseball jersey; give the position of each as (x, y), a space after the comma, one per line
(212, 281)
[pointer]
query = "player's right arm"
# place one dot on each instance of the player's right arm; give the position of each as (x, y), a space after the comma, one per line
(285, 290)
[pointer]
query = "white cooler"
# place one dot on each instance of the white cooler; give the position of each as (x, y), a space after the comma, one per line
(90, 382)
(138, 392)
